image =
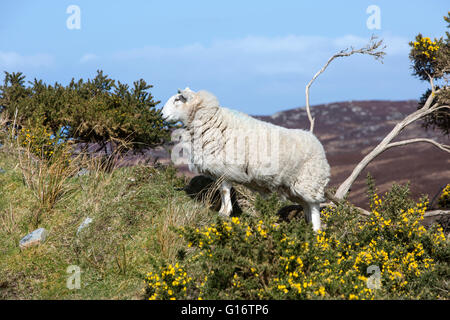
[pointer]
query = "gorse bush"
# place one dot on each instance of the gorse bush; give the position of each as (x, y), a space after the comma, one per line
(93, 111)
(386, 255)
(444, 199)
(41, 143)
(268, 206)
(431, 60)
(425, 53)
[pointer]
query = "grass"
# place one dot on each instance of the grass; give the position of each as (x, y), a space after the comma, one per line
(133, 212)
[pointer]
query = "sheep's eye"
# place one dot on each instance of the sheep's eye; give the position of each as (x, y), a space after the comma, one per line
(180, 98)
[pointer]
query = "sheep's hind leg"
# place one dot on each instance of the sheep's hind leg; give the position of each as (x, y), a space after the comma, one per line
(225, 193)
(312, 214)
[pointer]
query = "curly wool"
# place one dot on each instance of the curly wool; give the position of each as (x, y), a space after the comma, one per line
(291, 162)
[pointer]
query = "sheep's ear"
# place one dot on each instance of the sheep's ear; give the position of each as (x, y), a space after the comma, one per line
(196, 99)
(187, 89)
(187, 93)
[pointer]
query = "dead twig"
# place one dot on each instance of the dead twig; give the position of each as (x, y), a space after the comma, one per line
(373, 48)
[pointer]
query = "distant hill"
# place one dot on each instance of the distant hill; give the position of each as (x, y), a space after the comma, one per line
(349, 130)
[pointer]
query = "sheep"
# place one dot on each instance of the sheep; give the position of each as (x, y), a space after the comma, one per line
(237, 148)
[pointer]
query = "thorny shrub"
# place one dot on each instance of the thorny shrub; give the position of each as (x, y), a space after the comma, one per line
(387, 255)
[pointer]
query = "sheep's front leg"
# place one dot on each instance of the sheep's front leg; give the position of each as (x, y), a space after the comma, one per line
(225, 193)
(313, 215)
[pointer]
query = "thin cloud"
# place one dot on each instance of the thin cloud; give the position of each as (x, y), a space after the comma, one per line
(11, 60)
(88, 57)
(397, 45)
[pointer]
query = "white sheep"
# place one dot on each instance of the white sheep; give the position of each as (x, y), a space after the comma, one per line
(264, 157)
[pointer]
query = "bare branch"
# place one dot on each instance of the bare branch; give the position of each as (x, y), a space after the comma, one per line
(440, 107)
(435, 213)
(431, 80)
(373, 48)
(430, 99)
(365, 213)
(405, 142)
(386, 142)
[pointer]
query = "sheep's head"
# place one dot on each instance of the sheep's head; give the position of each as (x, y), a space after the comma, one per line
(185, 104)
(179, 106)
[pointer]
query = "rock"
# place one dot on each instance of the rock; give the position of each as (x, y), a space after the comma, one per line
(34, 238)
(84, 224)
(2, 170)
(82, 172)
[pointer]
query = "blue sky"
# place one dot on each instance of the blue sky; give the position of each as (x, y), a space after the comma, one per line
(256, 56)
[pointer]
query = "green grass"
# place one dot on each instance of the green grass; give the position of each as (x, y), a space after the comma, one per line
(133, 212)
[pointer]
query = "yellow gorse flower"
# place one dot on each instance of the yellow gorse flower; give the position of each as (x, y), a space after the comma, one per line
(426, 47)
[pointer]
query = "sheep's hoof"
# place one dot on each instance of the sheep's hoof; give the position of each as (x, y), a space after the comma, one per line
(223, 215)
